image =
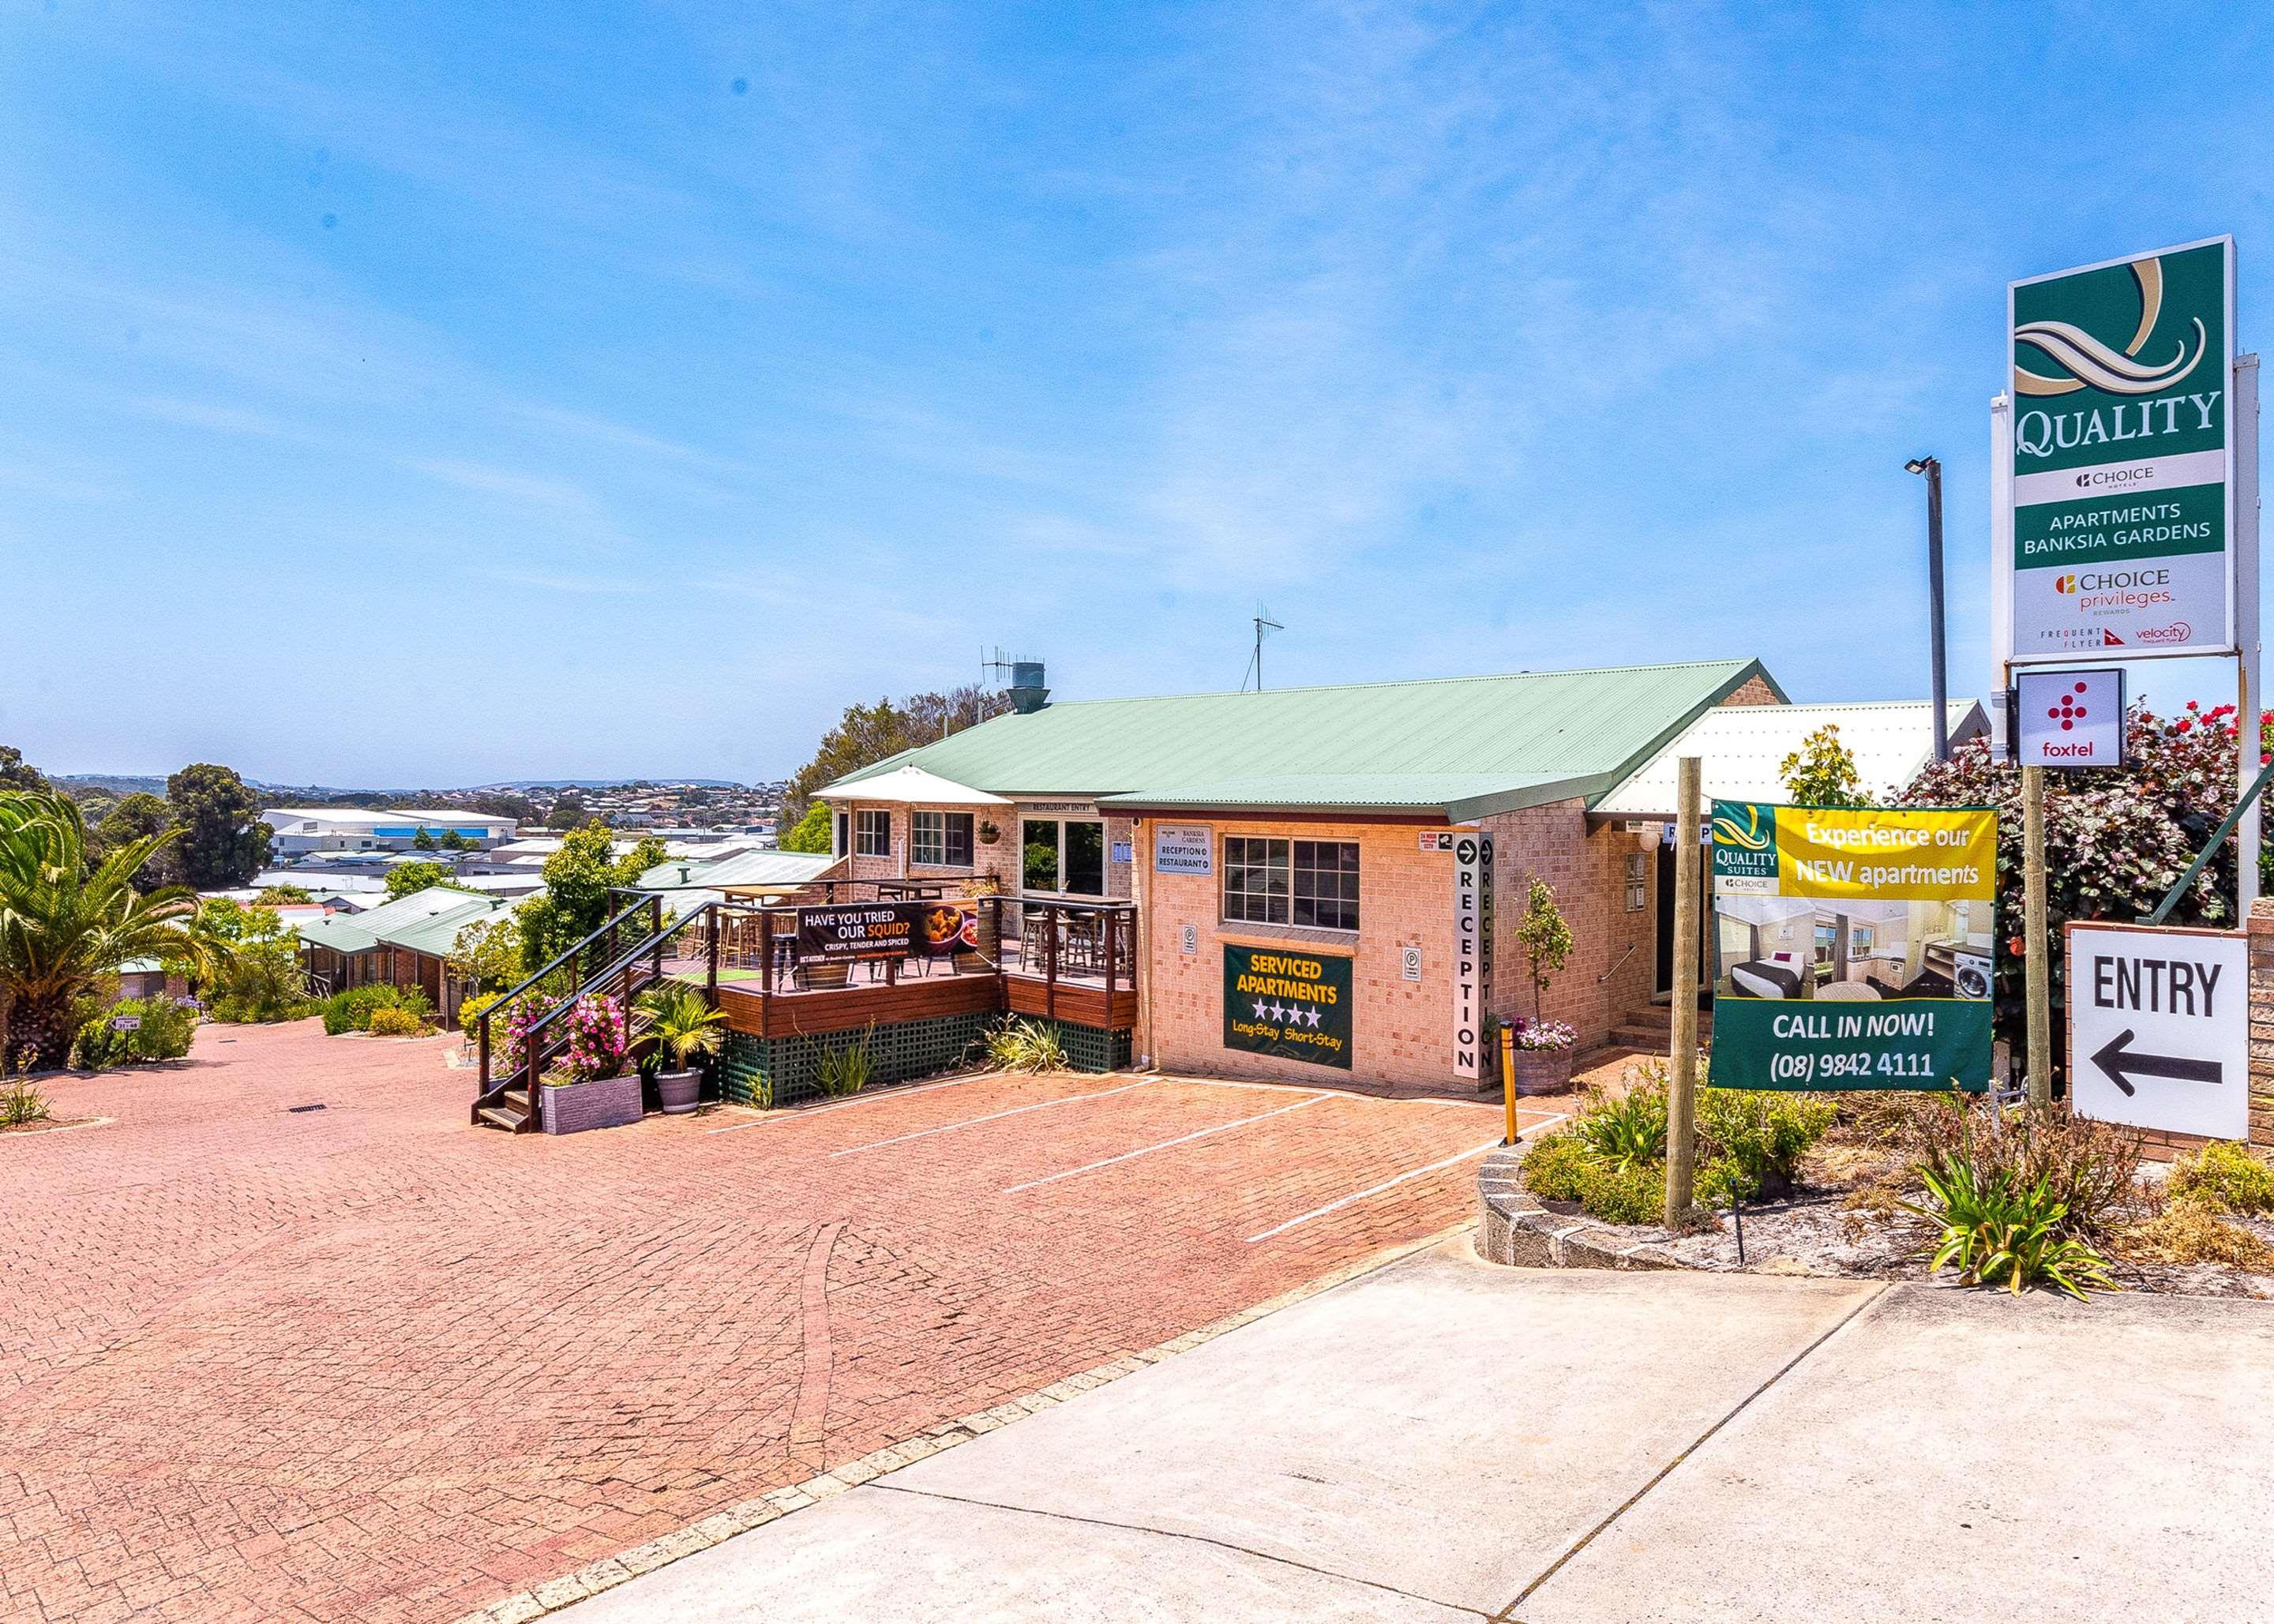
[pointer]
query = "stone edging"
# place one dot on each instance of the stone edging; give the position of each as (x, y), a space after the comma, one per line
(1516, 1230)
(739, 1518)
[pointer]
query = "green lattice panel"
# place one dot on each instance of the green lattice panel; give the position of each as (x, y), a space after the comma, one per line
(897, 1053)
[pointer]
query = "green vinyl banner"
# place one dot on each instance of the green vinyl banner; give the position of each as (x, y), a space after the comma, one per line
(1853, 946)
(1294, 1005)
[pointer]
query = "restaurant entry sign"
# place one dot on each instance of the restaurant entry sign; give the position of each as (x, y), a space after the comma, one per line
(1294, 1005)
(2123, 471)
(1853, 947)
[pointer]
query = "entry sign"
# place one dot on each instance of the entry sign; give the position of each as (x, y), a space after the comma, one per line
(2123, 472)
(2068, 718)
(2159, 1028)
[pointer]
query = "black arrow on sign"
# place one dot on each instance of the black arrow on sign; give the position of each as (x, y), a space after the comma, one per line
(2119, 1061)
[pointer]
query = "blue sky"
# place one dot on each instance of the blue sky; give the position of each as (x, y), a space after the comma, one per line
(402, 394)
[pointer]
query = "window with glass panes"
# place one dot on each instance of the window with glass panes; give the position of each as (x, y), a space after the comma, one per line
(1063, 855)
(942, 839)
(1273, 882)
(872, 834)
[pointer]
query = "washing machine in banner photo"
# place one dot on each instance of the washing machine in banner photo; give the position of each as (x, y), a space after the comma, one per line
(1970, 971)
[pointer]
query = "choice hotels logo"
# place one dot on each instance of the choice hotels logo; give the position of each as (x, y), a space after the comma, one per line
(2088, 361)
(2065, 583)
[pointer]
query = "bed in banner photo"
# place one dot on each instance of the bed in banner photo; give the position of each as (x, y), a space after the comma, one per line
(1853, 946)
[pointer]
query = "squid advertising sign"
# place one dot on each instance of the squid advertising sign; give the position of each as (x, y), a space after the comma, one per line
(2123, 471)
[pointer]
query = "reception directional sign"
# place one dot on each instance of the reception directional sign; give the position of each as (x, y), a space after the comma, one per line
(2123, 470)
(1292, 1004)
(2159, 1028)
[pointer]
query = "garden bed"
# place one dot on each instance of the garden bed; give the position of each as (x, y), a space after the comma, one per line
(1844, 1215)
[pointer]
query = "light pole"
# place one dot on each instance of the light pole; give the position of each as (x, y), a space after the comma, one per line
(1932, 468)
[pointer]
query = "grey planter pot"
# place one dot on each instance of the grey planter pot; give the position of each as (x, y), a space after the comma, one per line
(604, 1102)
(678, 1091)
(1539, 1071)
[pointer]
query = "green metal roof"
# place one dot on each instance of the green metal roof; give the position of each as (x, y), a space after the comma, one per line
(425, 922)
(1465, 746)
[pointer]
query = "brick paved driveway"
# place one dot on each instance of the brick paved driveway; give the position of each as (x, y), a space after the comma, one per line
(371, 1363)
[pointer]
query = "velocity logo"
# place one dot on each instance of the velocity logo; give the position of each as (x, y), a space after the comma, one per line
(2088, 361)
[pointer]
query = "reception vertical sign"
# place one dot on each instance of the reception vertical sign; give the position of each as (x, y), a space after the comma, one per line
(2123, 472)
(1472, 949)
(1854, 946)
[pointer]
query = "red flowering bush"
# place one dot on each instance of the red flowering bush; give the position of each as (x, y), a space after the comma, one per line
(2116, 839)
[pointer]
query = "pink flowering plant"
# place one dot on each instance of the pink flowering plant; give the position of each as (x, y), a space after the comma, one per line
(599, 1041)
(514, 1053)
(1544, 1035)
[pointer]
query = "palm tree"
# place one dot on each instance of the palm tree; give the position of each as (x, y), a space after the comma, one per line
(64, 925)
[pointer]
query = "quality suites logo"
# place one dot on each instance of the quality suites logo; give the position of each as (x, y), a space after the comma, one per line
(2088, 361)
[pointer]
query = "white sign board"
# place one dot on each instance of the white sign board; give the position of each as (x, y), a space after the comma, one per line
(2068, 718)
(1436, 839)
(1183, 848)
(1410, 963)
(2159, 1028)
(1472, 949)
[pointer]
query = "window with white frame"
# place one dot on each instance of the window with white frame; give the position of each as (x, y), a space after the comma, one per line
(1308, 883)
(872, 834)
(941, 840)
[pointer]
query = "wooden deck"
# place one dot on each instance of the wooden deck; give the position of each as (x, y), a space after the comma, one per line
(794, 1014)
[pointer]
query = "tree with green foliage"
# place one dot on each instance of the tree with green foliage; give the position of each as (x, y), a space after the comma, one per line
(1822, 773)
(453, 841)
(16, 773)
(276, 896)
(223, 841)
(575, 902)
(503, 803)
(811, 832)
(141, 816)
(66, 922)
(488, 953)
(248, 965)
(1544, 936)
(567, 811)
(866, 734)
(422, 841)
(407, 879)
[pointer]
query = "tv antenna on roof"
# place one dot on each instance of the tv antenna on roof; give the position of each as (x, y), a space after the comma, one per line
(1264, 624)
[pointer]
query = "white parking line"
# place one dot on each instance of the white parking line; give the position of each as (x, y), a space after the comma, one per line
(1128, 1155)
(1361, 1195)
(782, 1119)
(973, 1121)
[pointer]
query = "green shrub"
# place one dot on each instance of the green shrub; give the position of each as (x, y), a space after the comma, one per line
(1566, 1166)
(350, 1010)
(1998, 1231)
(469, 1017)
(1025, 1046)
(1627, 1129)
(1751, 1142)
(846, 1071)
(21, 1103)
(2223, 1177)
(168, 1026)
(394, 1021)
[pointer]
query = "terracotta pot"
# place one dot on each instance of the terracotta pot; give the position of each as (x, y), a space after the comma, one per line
(677, 1090)
(604, 1102)
(1539, 1071)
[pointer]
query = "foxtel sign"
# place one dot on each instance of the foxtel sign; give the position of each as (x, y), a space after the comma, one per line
(2068, 718)
(2123, 458)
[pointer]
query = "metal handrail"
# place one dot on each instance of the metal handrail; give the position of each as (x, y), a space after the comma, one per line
(2218, 838)
(506, 999)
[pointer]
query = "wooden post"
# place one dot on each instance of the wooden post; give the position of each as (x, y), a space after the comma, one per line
(1050, 961)
(1508, 1078)
(1681, 1090)
(482, 1047)
(2036, 964)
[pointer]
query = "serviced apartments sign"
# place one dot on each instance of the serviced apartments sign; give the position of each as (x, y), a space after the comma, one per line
(1294, 1005)
(2123, 458)
(1854, 946)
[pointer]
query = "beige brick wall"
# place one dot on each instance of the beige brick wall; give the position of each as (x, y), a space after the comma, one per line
(1000, 860)
(1401, 1030)
(1614, 954)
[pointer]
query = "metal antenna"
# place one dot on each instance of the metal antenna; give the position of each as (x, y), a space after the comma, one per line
(1264, 624)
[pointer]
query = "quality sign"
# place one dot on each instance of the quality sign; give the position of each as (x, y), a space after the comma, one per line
(1294, 1005)
(2123, 471)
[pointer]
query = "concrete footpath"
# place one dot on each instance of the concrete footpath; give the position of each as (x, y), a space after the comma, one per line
(1445, 1440)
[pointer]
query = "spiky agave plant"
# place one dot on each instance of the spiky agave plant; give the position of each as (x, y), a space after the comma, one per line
(66, 922)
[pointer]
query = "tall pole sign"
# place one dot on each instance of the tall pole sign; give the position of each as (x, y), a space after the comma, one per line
(2122, 539)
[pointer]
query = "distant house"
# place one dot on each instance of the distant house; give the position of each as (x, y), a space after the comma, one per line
(404, 942)
(146, 978)
(299, 831)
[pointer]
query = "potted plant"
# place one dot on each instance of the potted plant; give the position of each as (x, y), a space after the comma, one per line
(1543, 1048)
(594, 1086)
(1540, 1063)
(988, 834)
(681, 1022)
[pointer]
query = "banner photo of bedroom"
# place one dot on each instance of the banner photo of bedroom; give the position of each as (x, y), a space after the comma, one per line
(1852, 946)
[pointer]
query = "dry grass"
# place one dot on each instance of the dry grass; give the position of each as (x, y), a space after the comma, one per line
(2189, 1231)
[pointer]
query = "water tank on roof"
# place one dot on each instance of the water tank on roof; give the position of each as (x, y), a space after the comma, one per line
(1027, 694)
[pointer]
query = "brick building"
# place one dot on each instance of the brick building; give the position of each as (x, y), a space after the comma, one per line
(1324, 879)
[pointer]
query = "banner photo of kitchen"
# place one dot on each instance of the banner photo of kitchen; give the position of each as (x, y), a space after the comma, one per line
(1852, 946)
(887, 930)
